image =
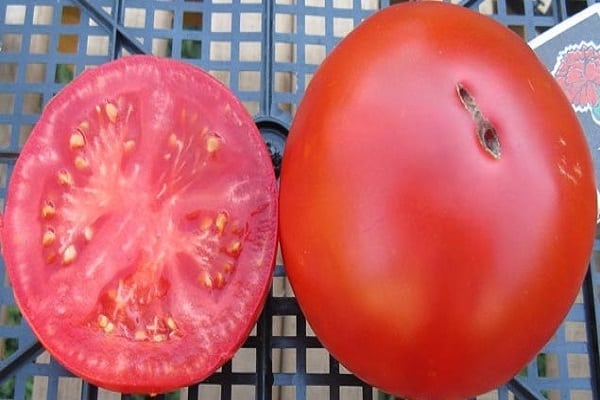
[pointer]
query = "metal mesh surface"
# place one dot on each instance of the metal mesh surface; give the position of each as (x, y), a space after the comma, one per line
(267, 53)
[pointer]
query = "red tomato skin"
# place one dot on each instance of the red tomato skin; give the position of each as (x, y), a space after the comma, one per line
(60, 303)
(427, 267)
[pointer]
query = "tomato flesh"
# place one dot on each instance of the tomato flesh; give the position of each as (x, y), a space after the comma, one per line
(437, 202)
(140, 225)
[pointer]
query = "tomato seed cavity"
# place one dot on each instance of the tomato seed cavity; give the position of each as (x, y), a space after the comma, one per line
(129, 306)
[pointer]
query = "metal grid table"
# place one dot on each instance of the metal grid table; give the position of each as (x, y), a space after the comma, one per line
(267, 53)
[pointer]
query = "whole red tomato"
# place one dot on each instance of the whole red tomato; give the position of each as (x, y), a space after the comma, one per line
(140, 225)
(437, 202)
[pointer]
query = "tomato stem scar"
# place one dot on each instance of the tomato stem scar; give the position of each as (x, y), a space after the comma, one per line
(485, 130)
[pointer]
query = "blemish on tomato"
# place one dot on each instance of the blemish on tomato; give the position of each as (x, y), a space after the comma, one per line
(486, 132)
(573, 174)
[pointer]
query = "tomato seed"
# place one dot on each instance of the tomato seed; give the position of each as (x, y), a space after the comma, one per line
(103, 320)
(140, 335)
(171, 323)
(159, 338)
(65, 178)
(51, 257)
(219, 280)
(175, 142)
(220, 221)
(88, 233)
(128, 145)
(206, 280)
(192, 215)
(69, 254)
(228, 267)
(48, 237)
(48, 210)
(109, 327)
(81, 163)
(205, 223)
(234, 247)
(76, 141)
(213, 143)
(172, 140)
(111, 112)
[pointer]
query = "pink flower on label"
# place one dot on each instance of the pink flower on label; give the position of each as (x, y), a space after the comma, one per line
(578, 72)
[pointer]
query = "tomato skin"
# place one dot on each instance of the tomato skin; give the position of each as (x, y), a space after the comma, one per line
(140, 226)
(420, 259)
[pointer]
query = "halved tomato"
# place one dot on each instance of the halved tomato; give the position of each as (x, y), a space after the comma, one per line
(140, 225)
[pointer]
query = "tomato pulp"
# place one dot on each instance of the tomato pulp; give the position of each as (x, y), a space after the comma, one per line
(140, 225)
(437, 202)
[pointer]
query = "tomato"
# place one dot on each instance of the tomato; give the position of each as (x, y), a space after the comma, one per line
(437, 202)
(140, 225)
